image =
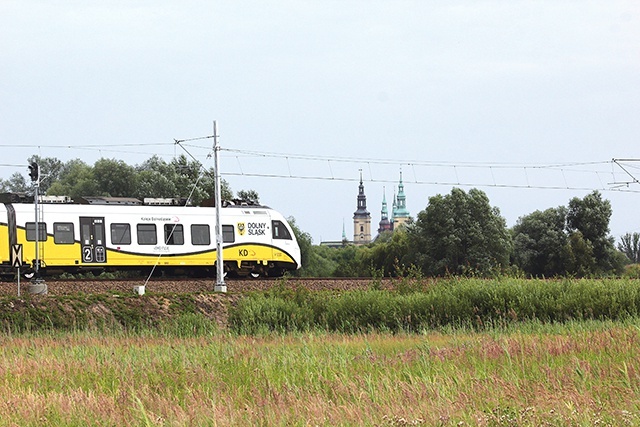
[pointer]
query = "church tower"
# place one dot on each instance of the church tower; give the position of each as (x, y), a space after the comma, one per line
(361, 218)
(400, 212)
(385, 224)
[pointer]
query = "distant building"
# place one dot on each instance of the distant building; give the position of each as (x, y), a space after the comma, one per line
(385, 224)
(400, 212)
(361, 218)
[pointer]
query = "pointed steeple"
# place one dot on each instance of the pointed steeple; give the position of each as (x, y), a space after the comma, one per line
(384, 224)
(400, 214)
(362, 200)
(384, 213)
(344, 234)
(394, 208)
(361, 218)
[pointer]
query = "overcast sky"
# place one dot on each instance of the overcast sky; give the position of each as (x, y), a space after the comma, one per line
(478, 93)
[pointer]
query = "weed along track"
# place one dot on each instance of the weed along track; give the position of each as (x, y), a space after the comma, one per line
(79, 304)
(338, 305)
(67, 287)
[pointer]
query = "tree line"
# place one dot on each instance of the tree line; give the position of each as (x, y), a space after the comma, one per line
(180, 178)
(459, 233)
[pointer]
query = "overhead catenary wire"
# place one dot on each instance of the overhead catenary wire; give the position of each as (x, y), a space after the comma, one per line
(115, 148)
(310, 157)
(250, 153)
(562, 167)
(437, 183)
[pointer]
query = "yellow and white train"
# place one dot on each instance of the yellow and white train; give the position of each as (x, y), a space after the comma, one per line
(114, 234)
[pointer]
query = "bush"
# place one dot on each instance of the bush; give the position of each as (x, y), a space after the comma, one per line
(632, 271)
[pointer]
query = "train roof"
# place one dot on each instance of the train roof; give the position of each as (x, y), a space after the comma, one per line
(122, 201)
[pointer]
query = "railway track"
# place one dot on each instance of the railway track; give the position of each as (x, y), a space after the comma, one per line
(164, 285)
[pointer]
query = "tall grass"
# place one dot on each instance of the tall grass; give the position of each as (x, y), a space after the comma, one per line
(171, 314)
(579, 373)
(473, 303)
(450, 353)
(413, 305)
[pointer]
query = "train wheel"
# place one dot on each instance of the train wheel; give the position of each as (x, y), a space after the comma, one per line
(254, 274)
(29, 274)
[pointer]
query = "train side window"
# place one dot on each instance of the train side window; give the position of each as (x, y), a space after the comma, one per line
(228, 234)
(200, 234)
(173, 234)
(31, 231)
(147, 234)
(280, 231)
(121, 234)
(63, 233)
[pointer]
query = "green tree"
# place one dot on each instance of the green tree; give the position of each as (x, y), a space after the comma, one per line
(191, 180)
(75, 180)
(15, 184)
(115, 178)
(460, 233)
(321, 263)
(305, 244)
(179, 178)
(389, 254)
(151, 183)
(352, 261)
(540, 242)
(590, 216)
(196, 183)
(630, 246)
(249, 196)
(581, 261)
(49, 171)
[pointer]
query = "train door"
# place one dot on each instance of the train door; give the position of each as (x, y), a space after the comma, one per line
(92, 238)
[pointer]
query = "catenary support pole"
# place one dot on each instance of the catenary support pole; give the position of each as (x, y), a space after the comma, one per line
(220, 285)
(37, 285)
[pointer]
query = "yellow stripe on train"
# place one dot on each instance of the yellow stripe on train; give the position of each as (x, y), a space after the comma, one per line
(55, 255)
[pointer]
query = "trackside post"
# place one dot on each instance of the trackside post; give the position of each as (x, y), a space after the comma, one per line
(16, 260)
(220, 285)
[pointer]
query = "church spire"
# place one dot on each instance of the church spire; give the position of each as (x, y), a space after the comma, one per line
(361, 218)
(384, 224)
(400, 213)
(344, 234)
(362, 200)
(384, 213)
(394, 206)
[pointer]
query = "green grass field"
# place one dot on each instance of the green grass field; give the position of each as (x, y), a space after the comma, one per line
(580, 373)
(453, 352)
